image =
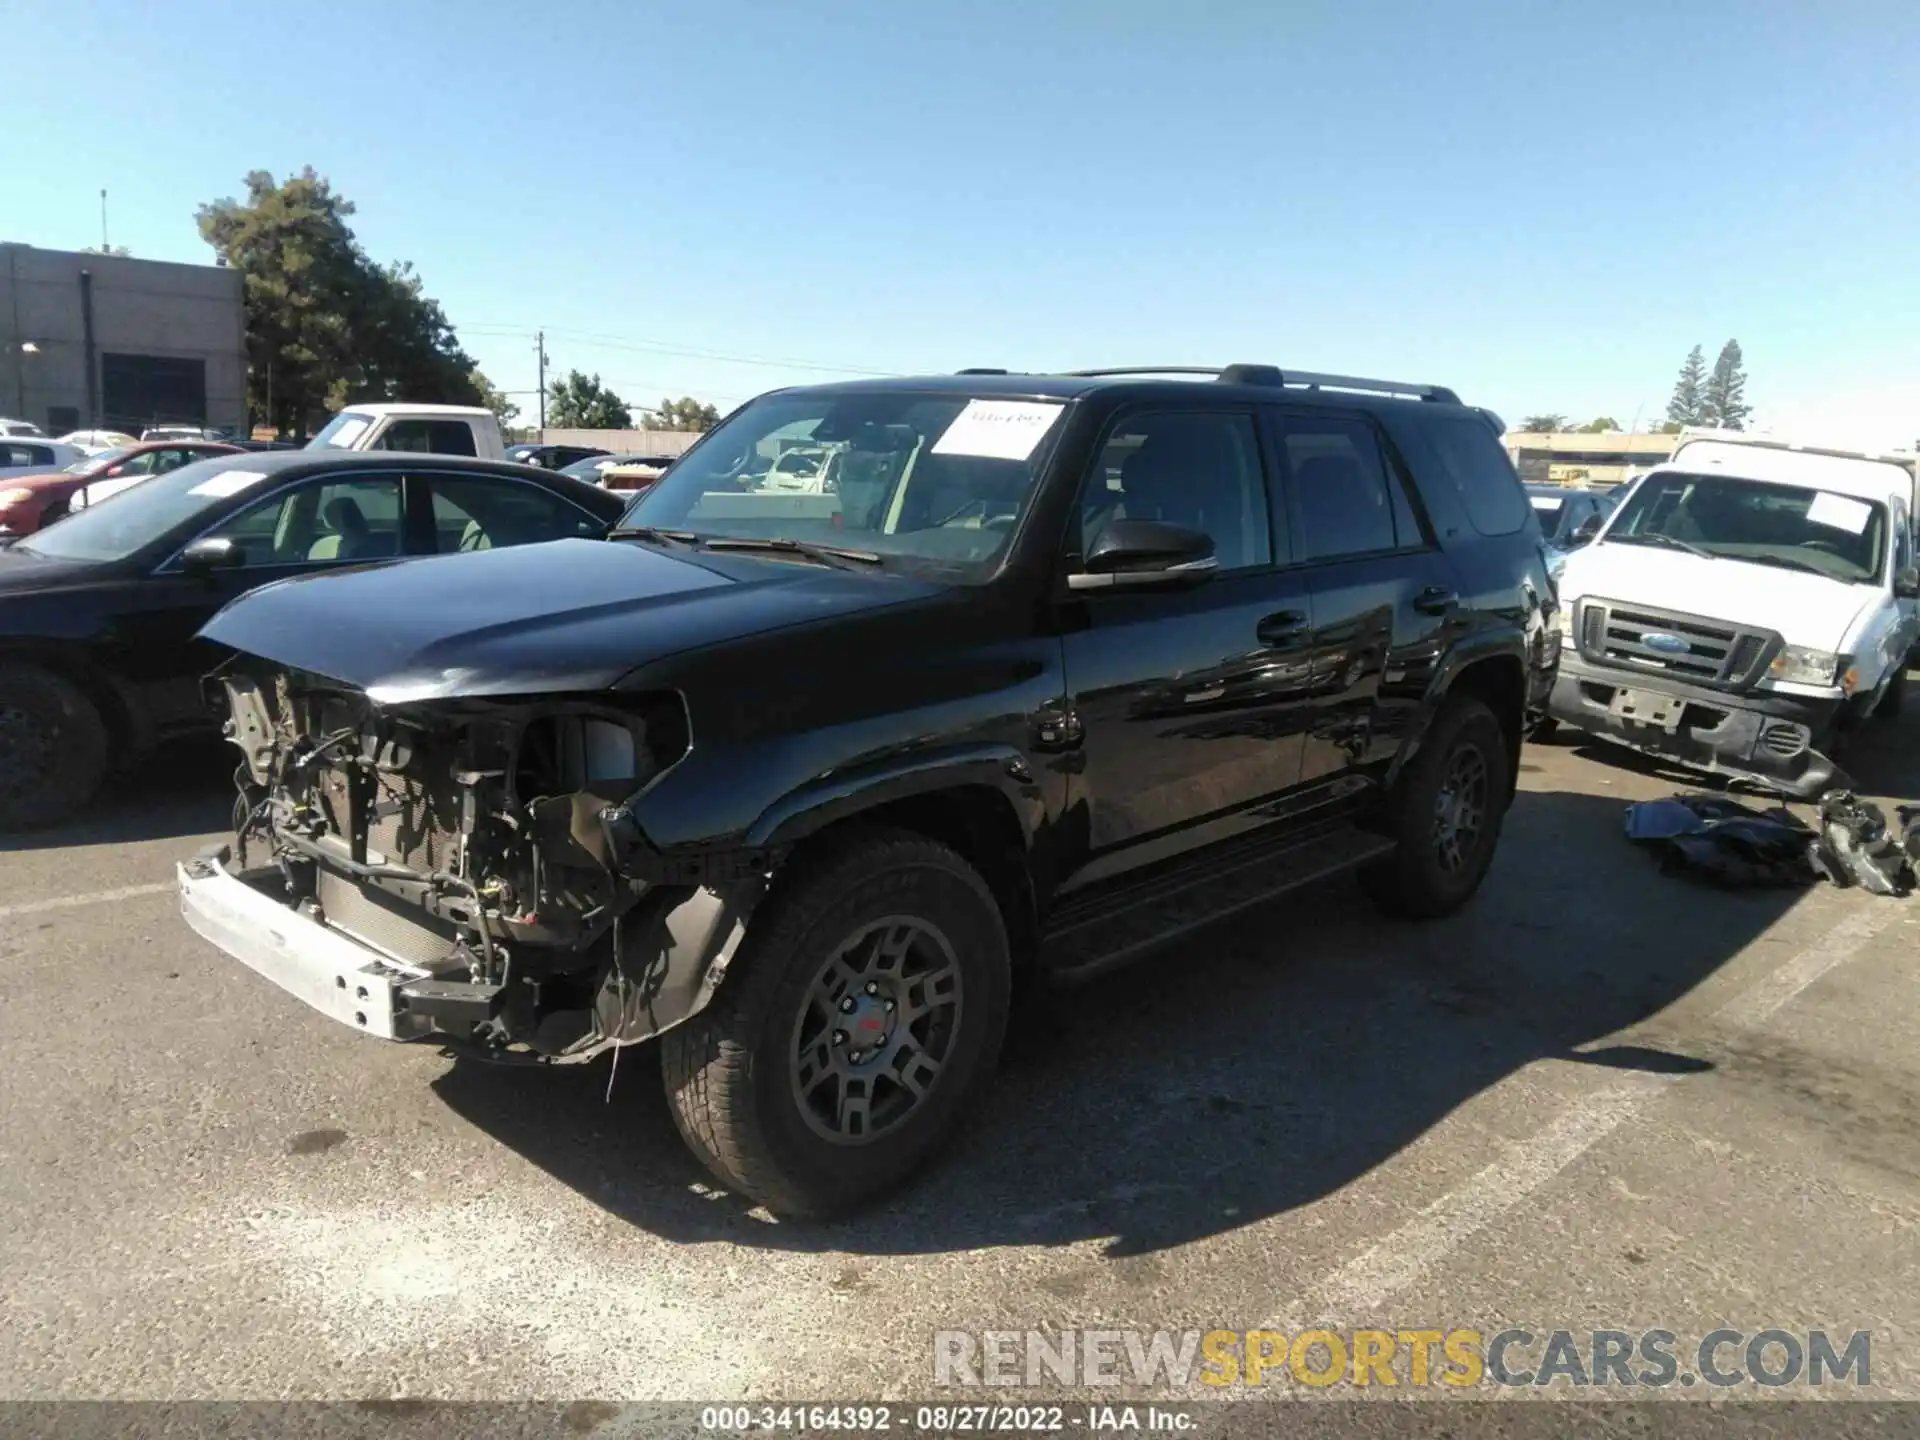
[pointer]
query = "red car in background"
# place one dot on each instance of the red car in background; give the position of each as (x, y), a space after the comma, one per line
(30, 501)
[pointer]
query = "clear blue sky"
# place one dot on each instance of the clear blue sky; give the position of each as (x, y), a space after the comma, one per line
(1542, 204)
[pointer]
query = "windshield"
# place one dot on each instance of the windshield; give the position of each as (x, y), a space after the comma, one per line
(939, 480)
(340, 432)
(99, 460)
(1839, 536)
(134, 517)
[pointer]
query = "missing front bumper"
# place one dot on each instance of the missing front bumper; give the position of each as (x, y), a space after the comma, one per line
(674, 960)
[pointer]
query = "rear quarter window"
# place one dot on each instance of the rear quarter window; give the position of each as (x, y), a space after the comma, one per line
(1477, 468)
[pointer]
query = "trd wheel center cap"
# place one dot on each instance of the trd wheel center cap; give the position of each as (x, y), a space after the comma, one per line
(868, 1026)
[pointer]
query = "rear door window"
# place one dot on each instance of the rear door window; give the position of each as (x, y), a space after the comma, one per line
(472, 512)
(1345, 499)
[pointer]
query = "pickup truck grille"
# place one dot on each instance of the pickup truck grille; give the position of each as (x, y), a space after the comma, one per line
(1689, 648)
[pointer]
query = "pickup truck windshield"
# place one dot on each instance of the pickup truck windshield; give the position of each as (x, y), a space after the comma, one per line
(933, 479)
(1838, 536)
(340, 432)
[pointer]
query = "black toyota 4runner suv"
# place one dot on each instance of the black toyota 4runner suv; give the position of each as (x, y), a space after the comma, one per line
(1025, 674)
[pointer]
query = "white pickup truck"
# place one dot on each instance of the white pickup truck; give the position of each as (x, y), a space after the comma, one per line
(425, 429)
(1745, 604)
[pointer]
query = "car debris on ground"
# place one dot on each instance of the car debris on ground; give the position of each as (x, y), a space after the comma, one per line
(1718, 839)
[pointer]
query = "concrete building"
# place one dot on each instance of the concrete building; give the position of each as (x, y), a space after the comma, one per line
(101, 342)
(1575, 458)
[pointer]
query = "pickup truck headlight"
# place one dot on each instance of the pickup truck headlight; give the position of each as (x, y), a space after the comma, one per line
(1799, 665)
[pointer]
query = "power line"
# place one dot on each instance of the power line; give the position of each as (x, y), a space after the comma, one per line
(594, 339)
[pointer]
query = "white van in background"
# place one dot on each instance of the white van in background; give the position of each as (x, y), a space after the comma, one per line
(1747, 602)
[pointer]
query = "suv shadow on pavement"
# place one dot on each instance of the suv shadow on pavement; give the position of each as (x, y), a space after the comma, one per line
(1254, 1068)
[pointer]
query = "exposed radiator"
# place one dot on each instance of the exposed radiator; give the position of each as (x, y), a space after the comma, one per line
(390, 925)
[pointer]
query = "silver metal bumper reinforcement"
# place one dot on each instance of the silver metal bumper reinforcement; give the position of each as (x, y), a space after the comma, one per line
(341, 978)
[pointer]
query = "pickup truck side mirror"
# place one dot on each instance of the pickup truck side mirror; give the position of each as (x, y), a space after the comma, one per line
(1589, 528)
(1138, 554)
(1906, 585)
(203, 557)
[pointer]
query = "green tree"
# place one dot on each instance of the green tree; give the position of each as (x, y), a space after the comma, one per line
(497, 401)
(1689, 392)
(1543, 423)
(581, 402)
(1723, 402)
(1604, 425)
(686, 413)
(1664, 427)
(325, 324)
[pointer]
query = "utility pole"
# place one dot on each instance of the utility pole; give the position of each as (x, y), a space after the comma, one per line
(103, 222)
(540, 345)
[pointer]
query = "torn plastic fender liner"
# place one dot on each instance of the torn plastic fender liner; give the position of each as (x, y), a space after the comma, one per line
(670, 961)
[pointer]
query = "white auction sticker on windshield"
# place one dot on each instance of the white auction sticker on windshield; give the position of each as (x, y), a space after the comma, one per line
(1837, 512)
(998, 429)
(227, 482)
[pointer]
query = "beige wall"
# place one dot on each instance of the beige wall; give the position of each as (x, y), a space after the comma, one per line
(622, 442)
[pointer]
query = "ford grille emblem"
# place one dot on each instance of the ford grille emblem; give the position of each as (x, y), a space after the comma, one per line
(1666, 644)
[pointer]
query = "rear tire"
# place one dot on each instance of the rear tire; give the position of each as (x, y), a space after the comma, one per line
(53, 747)
(1452, 800)
(865, 1013)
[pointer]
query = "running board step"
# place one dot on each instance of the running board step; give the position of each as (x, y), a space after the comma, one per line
(1085, 940)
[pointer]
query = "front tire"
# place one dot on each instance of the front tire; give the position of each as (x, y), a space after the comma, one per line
(1447, 816)
(1894, 700)
(53, 747)
(865, 1014)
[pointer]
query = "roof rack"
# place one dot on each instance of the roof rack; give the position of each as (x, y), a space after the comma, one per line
(1274, 376)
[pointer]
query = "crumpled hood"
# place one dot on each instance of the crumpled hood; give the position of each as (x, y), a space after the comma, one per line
(568, 616)
(1805, 609)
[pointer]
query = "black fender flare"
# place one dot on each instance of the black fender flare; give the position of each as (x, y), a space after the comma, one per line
(847, 793)
(1487, 645)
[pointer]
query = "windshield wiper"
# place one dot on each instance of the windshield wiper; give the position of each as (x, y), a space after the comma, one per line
(1669, 542)
(780, 545)
(653, 533)
(1787, 562)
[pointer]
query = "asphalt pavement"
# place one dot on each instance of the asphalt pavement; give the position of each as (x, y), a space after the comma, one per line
(1601, 1098)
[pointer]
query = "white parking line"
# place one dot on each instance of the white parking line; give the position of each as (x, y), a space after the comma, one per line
(94, 897)
(1359, 1287)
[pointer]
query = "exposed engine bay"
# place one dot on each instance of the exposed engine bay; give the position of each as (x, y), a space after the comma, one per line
(485, 847)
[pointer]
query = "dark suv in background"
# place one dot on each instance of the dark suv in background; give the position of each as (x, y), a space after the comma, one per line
(1059, 667)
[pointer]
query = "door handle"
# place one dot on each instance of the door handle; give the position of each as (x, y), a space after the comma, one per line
(1435, 600)
(1279, 626)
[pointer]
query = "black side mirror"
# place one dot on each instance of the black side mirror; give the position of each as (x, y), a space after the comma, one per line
(1140, 553)
(1589, 528)
(203, 557)
(1906, 585)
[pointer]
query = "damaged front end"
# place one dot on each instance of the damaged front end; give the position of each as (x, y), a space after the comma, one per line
(466, 869)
